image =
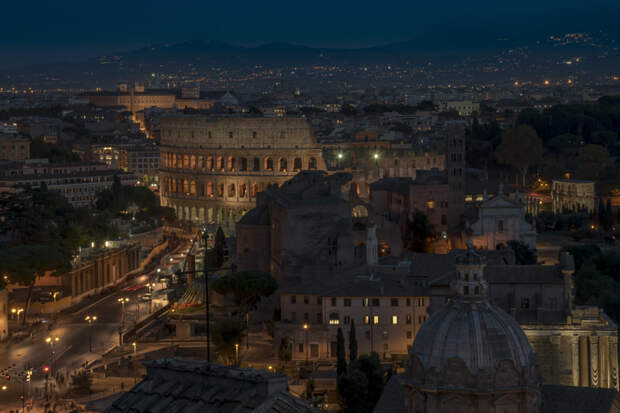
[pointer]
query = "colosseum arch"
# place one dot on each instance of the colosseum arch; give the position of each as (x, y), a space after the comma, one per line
(231, 163)
(268, 166)
(210, 163)
(359, 211)
(192, 162)
(220, 163)
(243, 164)
(283, 165)
(192, 187)
(185, 161)
(243, 190)
(185, 186)
(231, 190)
(312, 163)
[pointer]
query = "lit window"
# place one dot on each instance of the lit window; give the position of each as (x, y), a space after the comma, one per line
(394, 319)
(375, 319)
(479, 198)
(366, 319)
(430, 204)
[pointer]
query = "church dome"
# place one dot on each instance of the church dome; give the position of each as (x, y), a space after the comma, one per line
(471, 345)
(476, 341)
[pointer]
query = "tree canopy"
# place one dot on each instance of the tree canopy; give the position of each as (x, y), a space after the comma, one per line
(520, 149)
(246, 287)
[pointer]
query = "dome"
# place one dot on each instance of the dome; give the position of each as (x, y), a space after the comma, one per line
(480, 339)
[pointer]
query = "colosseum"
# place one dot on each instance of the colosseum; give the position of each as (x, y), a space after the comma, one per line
(212, 168)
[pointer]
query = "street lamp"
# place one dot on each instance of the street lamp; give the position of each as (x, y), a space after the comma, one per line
(306, 330)
(237, 354)
(123, 301)
(134, 344)
(52, 341)
(91, 320)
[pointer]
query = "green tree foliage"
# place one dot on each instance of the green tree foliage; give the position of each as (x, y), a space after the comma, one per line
(220, 244)
(564, 142)
(361, 385)
(591, 159)
(247, 288)
(118, 199)
(520, 149)
(524, 255)
(310, 386)
(55, 153)
(285, 353)
(226, 333)
(419, 233)
(341, 357)
(82, 381)
(352, 343)
(352, 391)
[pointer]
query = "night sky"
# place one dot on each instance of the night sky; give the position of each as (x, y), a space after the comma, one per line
(43, 29)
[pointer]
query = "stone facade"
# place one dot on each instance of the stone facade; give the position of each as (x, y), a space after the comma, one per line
(13, 148)
(212, 169)
(101, 270)
(4, 314)
(387, 311)
(573, 195)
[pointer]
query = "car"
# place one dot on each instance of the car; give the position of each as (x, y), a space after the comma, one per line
(146, 297)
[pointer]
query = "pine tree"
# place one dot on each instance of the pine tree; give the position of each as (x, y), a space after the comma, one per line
(220, 241)
(341, 366)
(352, 343)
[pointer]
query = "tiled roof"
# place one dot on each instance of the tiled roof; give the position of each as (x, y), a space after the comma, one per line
(256, 216)
(185, 386)
(397, 185)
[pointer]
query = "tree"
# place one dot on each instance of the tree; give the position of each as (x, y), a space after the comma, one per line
(371, 367)
(82, 381)
(284, 350)
(220, 243)
(520, 149)
(341, 364)
(591, 159)
(352, 343)
(352, 391)
(310, 386)
(24, 263)
(524, 255)
(419, 233)
(227, 333)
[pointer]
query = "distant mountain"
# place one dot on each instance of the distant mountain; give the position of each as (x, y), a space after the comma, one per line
(472, 54)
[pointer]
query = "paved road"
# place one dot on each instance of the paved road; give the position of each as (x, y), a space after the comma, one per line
(71, 350)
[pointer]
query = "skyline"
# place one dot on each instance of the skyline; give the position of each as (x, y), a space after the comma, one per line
(62, 32)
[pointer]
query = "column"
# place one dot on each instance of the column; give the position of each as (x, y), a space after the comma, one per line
(584, 367)
(603, 358)
(595, 380)
(613, 362)
(575, 367)
(555, 359)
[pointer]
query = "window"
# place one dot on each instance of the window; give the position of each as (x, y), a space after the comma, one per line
(394, 319)
(293, 299)
(347, 319)
(525, 303)
(409, 334)
(347, 302)
(466, 290)
(500, 225)
(394, 302)
(366, 319)
(301, 347)
(312, 163)
(334, 301)
(367, 335)
(408, 302)
(430, 204)
(254, 135)
(306, 299)
(306, 317)
(375, 319)
(334, 319)
(408, 319)
(376, 302)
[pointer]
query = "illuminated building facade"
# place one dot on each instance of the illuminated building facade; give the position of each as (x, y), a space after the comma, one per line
(212, 168)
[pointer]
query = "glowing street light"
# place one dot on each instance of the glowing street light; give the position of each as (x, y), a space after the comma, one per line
(306, 331)
(52, 342)
(237, 354)
(90, 319)
(123, 301)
